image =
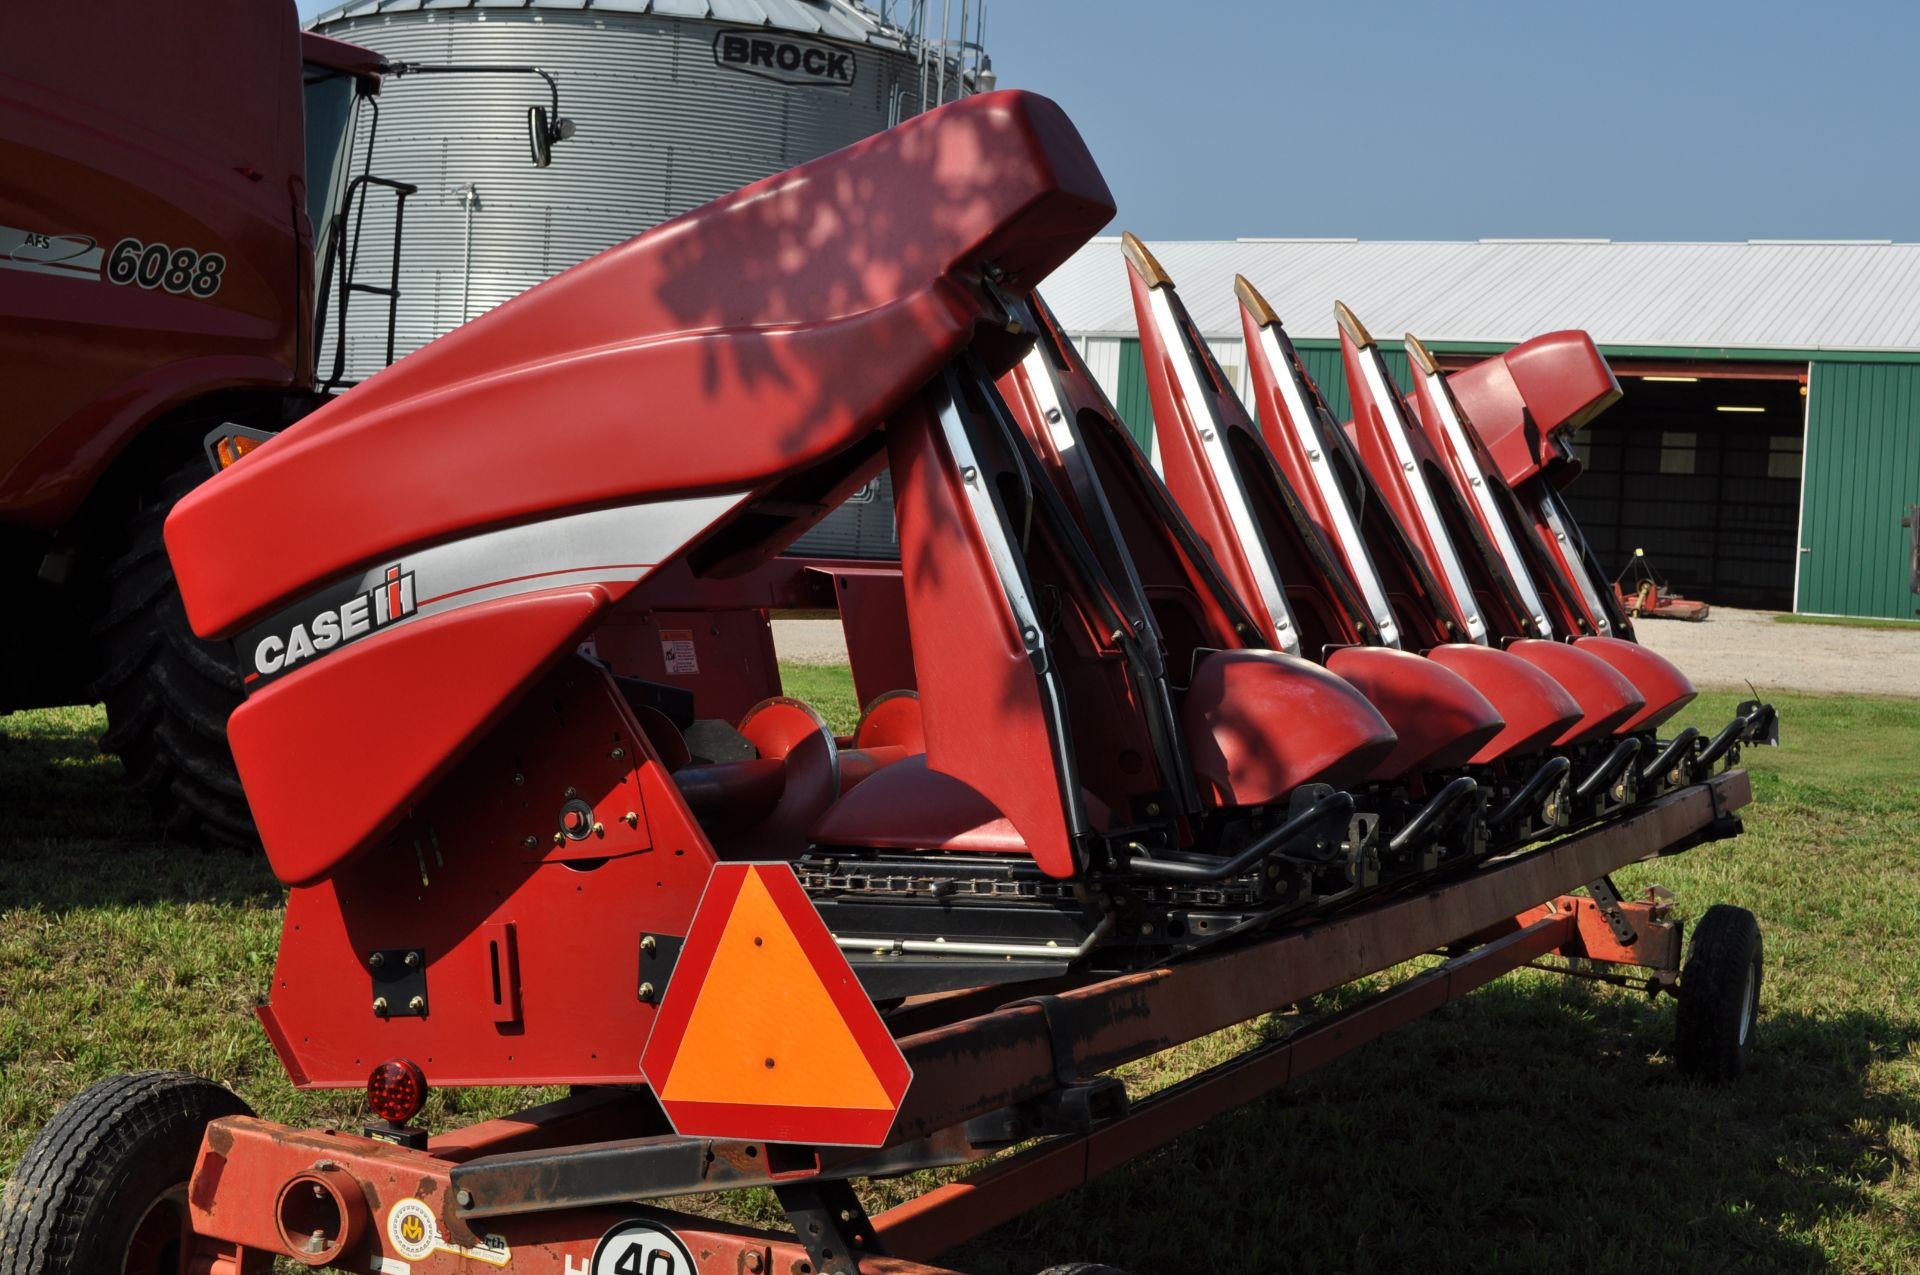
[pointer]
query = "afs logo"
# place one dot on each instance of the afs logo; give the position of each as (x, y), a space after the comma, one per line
(788, 60)
(360, 614)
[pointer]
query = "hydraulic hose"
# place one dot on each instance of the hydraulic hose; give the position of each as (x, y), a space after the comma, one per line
(1549, 774)
(1430, 814)
(1670, 754)
(1602, 775)
(1729, 735)
(1339, 803)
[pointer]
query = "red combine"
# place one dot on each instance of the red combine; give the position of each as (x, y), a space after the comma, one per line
(1140, 760)
(174, 209)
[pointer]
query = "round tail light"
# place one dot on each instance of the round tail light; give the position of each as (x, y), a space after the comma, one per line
(397, 1090)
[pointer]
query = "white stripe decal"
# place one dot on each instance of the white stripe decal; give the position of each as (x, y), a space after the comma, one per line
(72, 256)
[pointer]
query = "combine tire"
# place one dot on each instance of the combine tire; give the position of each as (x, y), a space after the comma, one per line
(1720, 995)
(168, 692)
(104, 1186)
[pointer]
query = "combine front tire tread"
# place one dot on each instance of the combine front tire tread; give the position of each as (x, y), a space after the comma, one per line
(167, 691)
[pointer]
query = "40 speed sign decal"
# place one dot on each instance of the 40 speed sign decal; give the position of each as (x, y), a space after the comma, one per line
(641, 1248)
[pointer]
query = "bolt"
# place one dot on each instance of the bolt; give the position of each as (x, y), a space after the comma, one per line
(531, 842)
(751, 1263)
(846, 1215)
(648, 944)
(631, 818)
(647, 992)
(599, 829)
(969, 473)
(413, 960)
(618, 754)
(1153, 807)
(1053, 414)
(519, 779)
(417, 1004)
(465, 1198)
(380, 1006)
(375, 961)
(559, 837)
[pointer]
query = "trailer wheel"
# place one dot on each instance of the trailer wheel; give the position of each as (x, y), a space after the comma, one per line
(104, 1187)
(168, 692)
(1720, 995)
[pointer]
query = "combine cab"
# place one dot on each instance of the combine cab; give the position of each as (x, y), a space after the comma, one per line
(175, 204)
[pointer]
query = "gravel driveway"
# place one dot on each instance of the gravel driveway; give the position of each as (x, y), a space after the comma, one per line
(1729, 649)
(1732, 648)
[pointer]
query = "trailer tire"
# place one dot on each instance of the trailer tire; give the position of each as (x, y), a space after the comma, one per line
(1720, 995)
(168, 691)
(110, 1172)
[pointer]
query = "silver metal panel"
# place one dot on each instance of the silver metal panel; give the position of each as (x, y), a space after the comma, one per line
(839, 19)
(661, 129)
(1102, 354)
(1761, 295)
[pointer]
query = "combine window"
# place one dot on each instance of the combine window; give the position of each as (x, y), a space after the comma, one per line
(329, 107)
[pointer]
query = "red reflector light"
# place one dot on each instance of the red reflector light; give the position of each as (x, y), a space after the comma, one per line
(397, 1090)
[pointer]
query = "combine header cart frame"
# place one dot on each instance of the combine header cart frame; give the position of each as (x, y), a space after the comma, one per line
(552, 1188)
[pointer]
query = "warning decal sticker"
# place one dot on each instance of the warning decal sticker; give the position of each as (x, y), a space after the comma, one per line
(676, 649)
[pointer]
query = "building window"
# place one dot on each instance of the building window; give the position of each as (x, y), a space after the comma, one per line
(1783, 456)
(1677, 452)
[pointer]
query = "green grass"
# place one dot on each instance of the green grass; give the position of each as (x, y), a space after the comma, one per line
(1537, 1125)
(1849, 621)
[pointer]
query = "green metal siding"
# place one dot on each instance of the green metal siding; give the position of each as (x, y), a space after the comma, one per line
(1324, 365)
(1134, 401)
(1862, 466)
(1862, 471)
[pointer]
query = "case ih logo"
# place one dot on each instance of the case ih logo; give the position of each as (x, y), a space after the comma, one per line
(788, 60)
(276, 648)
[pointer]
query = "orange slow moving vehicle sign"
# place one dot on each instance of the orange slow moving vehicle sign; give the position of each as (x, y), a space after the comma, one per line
(765, 1034)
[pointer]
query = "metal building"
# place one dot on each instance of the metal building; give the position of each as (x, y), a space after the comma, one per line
(1766, 447)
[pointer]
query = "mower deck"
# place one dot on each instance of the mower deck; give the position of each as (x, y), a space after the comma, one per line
(552, 1188)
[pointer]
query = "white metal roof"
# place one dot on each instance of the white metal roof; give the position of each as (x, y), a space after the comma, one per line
(836, 19)
(1759, 295)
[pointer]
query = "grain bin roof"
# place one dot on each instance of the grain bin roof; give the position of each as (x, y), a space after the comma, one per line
(1768, 294)
(834, 19)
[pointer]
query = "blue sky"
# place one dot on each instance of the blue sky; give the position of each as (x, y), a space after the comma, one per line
(1379, 120)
